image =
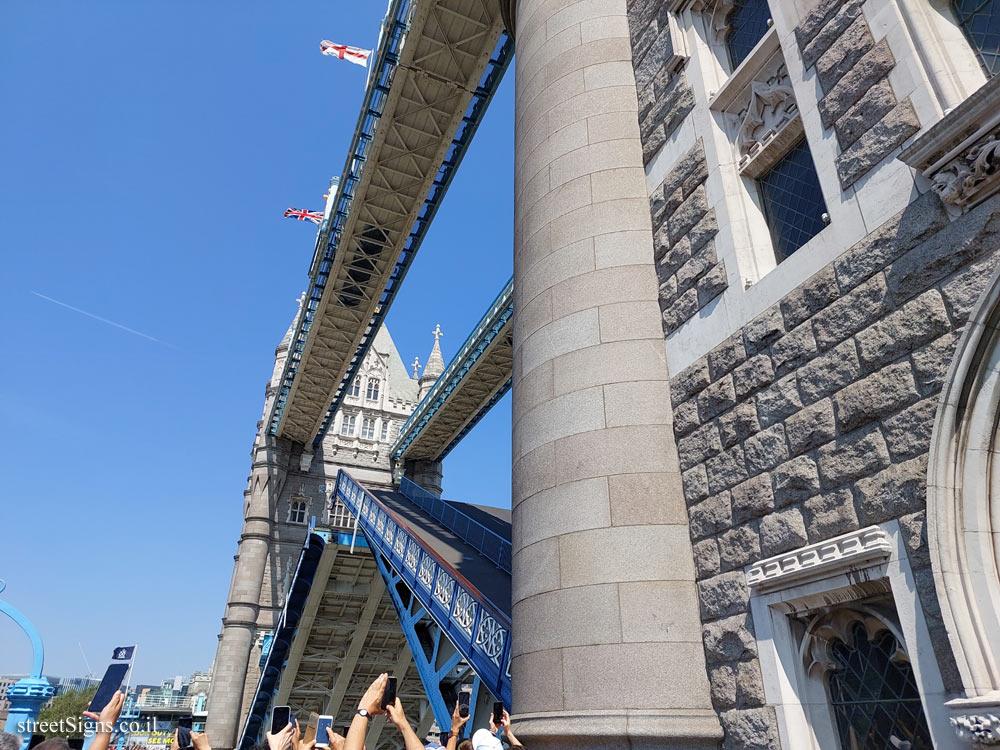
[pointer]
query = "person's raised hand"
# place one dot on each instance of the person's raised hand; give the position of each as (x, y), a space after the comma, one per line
(371, 701)
(505, 722)
(108, 716)
(283, 739)
(457, 720)
(336, 740)
(175, 745)
(200, 741)
(395, 714)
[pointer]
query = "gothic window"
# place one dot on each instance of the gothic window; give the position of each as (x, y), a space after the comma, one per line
(793, 202)
(372, 392)
(980, 21)
(368, 428)
(355, 388)
(385, 429)
(869, 679)
(748, 21)
(297, 511)
(347, 425)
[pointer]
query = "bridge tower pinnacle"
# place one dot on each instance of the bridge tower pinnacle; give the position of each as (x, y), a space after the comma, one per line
(607, 647)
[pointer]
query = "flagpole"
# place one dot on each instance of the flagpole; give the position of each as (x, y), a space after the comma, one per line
(128, 675)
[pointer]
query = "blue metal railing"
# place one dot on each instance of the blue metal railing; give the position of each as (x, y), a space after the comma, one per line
(487, 543)
(487, 329)
(477, 627)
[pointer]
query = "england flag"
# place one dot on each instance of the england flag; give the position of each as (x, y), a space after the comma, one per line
(355, 55)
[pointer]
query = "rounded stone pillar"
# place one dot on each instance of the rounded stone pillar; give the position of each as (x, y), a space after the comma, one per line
(607, 635)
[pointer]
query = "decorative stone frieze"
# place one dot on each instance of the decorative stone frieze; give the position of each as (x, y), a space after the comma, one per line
(978, 729)
(960, 155)
(821, 558)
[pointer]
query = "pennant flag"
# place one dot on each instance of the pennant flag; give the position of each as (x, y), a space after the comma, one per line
(302, 215)
(355, 55)
(123, 653)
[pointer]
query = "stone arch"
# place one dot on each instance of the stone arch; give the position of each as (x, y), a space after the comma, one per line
(963, 501)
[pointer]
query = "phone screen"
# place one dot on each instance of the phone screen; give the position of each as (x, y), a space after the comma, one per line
(324, 723)
(389, 694)
(497, 712)
(183, 737)
(463, 703)
(110, 683)
(185, 723)
(281, 717)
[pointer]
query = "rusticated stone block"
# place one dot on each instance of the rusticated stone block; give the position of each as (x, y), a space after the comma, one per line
(778, 401)
(653, 139)
(694, 207)
(915, 323)
(667, 292)
(695, 483)
(913, 528)
(657, 54)
(871, 68)
(749, 684)
(723, 595)
(823, 26)
(810, 427)
(810, 297)
(752, 499)
(852, 312)
(962, 291)
(710, 516)
(712, 284)
(846, 50)
(755, 373)
(680, 310)
(689, 381)
(763, 330)
(716, 398)
(698, 446)
(726, 469)
(739, 547)
(946, 251)
(766, 449)
(726, 356)
(851, 457)
(729, 639)
(686, 165)
(908, 433)
(829, 372)
(897, 125)
(686, 418)
(699, 235)
(722, 684)
(793, 349)
(880, 394)
(706, 558)
(931, 363)
(859, 119)
(750, 729)
(737, 424)
(830, 514)
(919, 220)
(795, 480)
(782, 531)
(674, 258)
(696, 266)
(900, 489)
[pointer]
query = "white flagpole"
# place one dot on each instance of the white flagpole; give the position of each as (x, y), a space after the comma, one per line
(128, 674)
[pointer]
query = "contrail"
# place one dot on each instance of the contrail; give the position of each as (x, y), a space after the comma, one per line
(103, 320)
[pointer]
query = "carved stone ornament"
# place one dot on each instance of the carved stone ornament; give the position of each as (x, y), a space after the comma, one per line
(846, 550)
(770, 108)
(979, 729)
(960, 154)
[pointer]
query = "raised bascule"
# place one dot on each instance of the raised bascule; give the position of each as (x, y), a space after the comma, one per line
(750, 339)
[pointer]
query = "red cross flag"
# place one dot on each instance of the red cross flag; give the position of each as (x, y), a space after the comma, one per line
(344, 52)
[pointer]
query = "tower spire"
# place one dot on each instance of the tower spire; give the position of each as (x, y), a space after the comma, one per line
(435, 363)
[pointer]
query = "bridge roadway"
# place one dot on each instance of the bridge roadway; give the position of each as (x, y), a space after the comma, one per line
(436, 68)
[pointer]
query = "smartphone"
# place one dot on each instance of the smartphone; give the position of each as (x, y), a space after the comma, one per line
(324, 723)
(183, 737)
(389, 694)
(185, 723)
(110, 683)
(281, 717)
(463, 703)
(498, 712)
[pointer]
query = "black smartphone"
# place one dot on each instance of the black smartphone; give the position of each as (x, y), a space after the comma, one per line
(110, 683)
(498, 712)
(389, 694)
(186, 723)
(445, 736)
(183, 737)
(324, 723)
(281, 717)
(463, 703)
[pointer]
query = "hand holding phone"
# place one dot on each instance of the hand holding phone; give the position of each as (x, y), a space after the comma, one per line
(322, 738)
(281, 717)
(463, 703)
(389, 694)
(498, 713)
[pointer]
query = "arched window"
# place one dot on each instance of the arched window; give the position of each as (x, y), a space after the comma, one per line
(372, 391)
(355, 388)
(748, 21)
(980, 21)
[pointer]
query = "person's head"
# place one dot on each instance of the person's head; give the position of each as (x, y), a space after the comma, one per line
(10, 741)
(465, 745)
(484, 739)
(53, 743)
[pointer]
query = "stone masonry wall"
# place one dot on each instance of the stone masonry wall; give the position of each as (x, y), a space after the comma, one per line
(815, 419)
(665, 97)
(853, 71)
(689, 272)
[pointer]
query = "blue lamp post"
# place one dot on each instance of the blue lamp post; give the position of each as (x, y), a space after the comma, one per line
(26, 696)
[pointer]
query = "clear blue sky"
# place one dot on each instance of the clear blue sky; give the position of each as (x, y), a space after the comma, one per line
(148, 151)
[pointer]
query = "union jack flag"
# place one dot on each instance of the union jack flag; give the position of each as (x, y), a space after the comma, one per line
(355, 55)
(302, 215)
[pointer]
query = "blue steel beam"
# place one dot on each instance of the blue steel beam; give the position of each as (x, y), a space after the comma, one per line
(492, 330)
(477, 628)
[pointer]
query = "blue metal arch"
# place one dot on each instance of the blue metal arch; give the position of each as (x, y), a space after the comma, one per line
(37, 649)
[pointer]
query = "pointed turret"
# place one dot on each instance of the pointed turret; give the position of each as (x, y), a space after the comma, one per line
(435, 364)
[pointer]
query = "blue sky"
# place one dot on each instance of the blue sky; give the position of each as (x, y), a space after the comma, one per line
(148, 152)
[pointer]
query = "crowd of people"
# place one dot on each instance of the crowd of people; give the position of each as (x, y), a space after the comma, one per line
(290, 737)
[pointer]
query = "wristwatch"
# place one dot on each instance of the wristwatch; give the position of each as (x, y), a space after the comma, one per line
(363, 712)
